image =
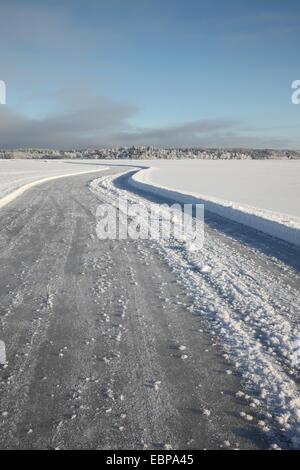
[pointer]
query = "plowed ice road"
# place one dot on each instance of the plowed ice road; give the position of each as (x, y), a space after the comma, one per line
(108, 343)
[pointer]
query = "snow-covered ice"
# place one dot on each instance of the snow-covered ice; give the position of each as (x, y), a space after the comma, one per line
(271, 185)
(263, 195)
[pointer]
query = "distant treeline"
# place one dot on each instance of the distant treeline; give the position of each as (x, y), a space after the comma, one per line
(151, 153)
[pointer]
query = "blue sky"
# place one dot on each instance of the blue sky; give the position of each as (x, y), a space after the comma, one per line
(169, 72)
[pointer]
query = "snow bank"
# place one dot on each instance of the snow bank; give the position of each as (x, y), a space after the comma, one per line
(282, 226)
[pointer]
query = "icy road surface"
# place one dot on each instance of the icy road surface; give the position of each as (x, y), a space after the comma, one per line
(110, 347)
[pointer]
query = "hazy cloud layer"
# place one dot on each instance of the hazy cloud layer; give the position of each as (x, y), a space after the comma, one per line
(89, 121)
(186, 134)
(80, 119)
(82, 122)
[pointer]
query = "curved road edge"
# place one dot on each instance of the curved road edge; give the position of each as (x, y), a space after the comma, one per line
(18, 192)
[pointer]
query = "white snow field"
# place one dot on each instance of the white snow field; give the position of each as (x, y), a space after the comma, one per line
(21, 174)
(264, 195)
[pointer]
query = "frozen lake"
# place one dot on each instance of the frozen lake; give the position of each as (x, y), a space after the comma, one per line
(269, 185)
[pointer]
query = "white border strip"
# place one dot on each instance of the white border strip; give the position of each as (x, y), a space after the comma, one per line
(18, 192)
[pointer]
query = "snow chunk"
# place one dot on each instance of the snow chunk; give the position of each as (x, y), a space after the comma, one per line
(191, 247)
(205, 269)
(167, 447)
(2, 353)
